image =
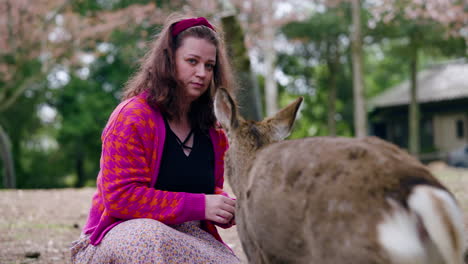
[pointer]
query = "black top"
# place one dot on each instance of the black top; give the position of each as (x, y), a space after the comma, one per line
(181, 173)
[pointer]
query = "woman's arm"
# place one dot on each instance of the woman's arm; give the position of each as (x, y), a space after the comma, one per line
(125, 184)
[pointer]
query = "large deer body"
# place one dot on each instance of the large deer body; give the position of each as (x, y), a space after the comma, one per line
(334, 200)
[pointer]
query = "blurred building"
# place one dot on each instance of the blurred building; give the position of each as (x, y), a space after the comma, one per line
(443, 103)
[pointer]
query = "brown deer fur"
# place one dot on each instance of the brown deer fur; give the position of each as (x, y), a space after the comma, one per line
(317, 200)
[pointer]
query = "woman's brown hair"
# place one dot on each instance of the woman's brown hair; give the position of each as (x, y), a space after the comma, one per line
(157, 75)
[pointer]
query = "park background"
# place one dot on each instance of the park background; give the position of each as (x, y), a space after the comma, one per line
(63, 64)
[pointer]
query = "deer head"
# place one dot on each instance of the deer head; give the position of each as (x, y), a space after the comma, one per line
(246, 137)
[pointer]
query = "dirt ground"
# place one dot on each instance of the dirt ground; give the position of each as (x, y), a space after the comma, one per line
(37, 226)
(45, 222)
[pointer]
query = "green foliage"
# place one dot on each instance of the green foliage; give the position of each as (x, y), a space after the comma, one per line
(385, 67)
(311, 83)
(17, 120)
(36, 166)
(42, 168)
(320, 58)
(85, 105)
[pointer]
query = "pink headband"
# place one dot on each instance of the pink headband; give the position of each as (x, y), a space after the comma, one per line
(188, 23)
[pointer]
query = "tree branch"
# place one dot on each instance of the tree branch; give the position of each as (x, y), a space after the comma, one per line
(25, 85)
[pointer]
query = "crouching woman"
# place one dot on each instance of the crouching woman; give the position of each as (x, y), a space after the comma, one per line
(159, 191)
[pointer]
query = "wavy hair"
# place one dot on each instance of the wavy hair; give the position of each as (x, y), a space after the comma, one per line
(157, 75)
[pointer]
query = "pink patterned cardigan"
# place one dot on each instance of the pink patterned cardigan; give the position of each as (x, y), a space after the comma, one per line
(133, 142)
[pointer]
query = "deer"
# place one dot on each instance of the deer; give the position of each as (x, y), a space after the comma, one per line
(333, 200)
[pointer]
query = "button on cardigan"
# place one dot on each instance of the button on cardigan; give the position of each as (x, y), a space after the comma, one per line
(132, 147)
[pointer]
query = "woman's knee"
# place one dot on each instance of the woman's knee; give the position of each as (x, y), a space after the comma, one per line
(142, 230)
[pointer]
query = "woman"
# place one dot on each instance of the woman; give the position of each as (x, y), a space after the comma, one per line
(159, 191)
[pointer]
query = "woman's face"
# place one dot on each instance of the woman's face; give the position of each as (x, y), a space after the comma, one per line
(195, 60)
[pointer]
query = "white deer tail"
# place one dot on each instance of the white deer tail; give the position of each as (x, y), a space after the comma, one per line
(442, 219)
(432, 231)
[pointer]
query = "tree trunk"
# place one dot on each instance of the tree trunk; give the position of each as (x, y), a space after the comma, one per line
(332, 64)
(413, 118)
(332, 107)
(249, 94)
(271, 91)
(9, 177)
(360, 118)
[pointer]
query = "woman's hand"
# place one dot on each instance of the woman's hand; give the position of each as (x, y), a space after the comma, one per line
(219, 208)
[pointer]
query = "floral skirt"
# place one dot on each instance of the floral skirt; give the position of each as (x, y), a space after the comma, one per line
(150, 241)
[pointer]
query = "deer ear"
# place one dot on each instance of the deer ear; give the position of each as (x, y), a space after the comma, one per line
(225, 109)
(283, 121)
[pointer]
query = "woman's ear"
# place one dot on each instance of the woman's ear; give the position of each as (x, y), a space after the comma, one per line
(225, 109)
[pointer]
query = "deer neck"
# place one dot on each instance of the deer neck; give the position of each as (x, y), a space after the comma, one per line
(238, 163)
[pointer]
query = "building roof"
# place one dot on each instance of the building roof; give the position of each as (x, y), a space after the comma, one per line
(442, 82)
